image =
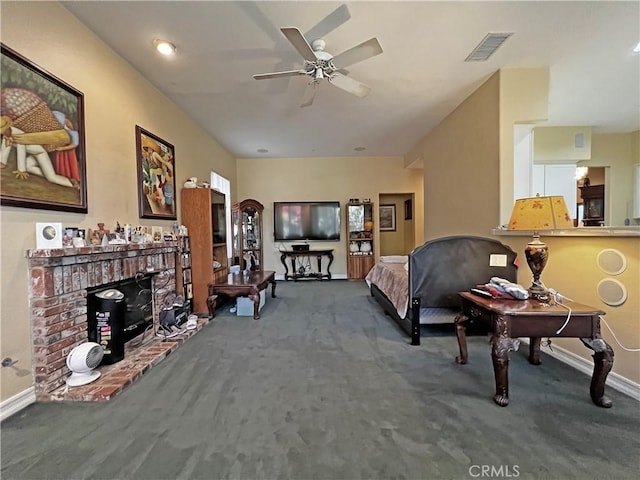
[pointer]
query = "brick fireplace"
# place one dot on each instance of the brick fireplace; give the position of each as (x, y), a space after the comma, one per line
(59, 279)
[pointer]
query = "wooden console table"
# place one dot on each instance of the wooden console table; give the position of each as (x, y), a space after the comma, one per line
(298, 269)
(510, 319)
(242, 285)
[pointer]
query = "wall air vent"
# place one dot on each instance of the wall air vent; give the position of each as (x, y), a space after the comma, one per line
(487, 46)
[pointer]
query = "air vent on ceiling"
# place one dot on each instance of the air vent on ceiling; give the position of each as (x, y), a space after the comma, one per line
(487, 46)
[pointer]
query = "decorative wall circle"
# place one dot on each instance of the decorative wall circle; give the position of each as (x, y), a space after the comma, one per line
(612, 261)
(612, 292)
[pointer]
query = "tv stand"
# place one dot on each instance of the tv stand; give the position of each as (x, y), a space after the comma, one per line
(301, 264)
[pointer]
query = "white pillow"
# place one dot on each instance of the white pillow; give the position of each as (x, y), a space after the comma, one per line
(394, 259)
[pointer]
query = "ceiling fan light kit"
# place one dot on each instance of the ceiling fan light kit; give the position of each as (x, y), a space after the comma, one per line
(320, 65)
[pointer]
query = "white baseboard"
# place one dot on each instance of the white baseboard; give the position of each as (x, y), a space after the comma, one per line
(17, 402)
(614, 380)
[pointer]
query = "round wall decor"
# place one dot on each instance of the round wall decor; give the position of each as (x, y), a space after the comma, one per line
(612, 261)
(612, 292)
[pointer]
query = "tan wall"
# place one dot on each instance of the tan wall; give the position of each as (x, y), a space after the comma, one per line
(468, 158)
(557, 144)
(116, 98)
(635, 195)
(461, 182)
(635, 146)
(310, 179)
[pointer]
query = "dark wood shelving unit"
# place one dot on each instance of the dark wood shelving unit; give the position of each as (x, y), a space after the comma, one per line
(203, 213)
(360, 256)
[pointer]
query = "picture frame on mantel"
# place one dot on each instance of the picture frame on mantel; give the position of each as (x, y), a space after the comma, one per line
(387, 216)
(43, 163)
(156, 176)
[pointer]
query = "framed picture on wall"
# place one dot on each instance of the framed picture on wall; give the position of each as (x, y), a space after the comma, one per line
(156, 176)
(408, 209)
(43, 149)
(387, 218)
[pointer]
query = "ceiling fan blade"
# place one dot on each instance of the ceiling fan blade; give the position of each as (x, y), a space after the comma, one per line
(309, 94)
(288, 73)
(332, 21)
(350, 85)
(297, 40)
(356, 54)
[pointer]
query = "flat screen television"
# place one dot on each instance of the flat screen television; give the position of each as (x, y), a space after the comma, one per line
(306, 221)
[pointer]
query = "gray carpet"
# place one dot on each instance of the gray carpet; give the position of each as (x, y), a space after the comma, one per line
(326, 386)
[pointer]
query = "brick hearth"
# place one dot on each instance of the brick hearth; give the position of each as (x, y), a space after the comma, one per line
(116, 377)
(59, 279)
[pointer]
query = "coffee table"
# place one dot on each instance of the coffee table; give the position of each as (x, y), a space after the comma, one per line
(242, 285)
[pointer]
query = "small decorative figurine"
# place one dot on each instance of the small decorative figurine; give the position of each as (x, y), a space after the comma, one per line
(191, 183)
(101, 232)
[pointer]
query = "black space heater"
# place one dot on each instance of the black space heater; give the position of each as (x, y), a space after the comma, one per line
(105, 324)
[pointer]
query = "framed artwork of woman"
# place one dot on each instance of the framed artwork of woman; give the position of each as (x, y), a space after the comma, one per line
(42, 149)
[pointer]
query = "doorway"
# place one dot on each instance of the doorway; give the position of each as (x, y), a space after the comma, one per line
(397, 233)
(590, 196)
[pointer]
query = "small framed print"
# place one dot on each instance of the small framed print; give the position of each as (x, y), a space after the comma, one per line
(387, 218)
(157, 234)
(48, 235)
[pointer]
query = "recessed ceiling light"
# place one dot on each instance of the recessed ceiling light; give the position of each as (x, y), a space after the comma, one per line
(637, 49)
(164, 47)
(359, 149)
(262, 150)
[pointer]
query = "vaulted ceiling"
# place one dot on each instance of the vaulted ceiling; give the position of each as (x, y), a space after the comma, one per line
(420, 77)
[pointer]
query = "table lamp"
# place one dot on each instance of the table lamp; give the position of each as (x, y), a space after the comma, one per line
(539, 213)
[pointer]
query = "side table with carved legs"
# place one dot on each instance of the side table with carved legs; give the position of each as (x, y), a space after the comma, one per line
(510, 319)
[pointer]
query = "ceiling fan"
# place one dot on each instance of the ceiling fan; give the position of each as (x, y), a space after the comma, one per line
(320, 65)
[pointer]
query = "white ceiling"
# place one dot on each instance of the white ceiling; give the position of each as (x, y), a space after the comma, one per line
(418, 80)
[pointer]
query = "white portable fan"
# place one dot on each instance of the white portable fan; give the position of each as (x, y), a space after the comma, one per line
(82, 361)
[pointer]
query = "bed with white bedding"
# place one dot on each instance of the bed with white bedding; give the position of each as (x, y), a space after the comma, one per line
(422, 287)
